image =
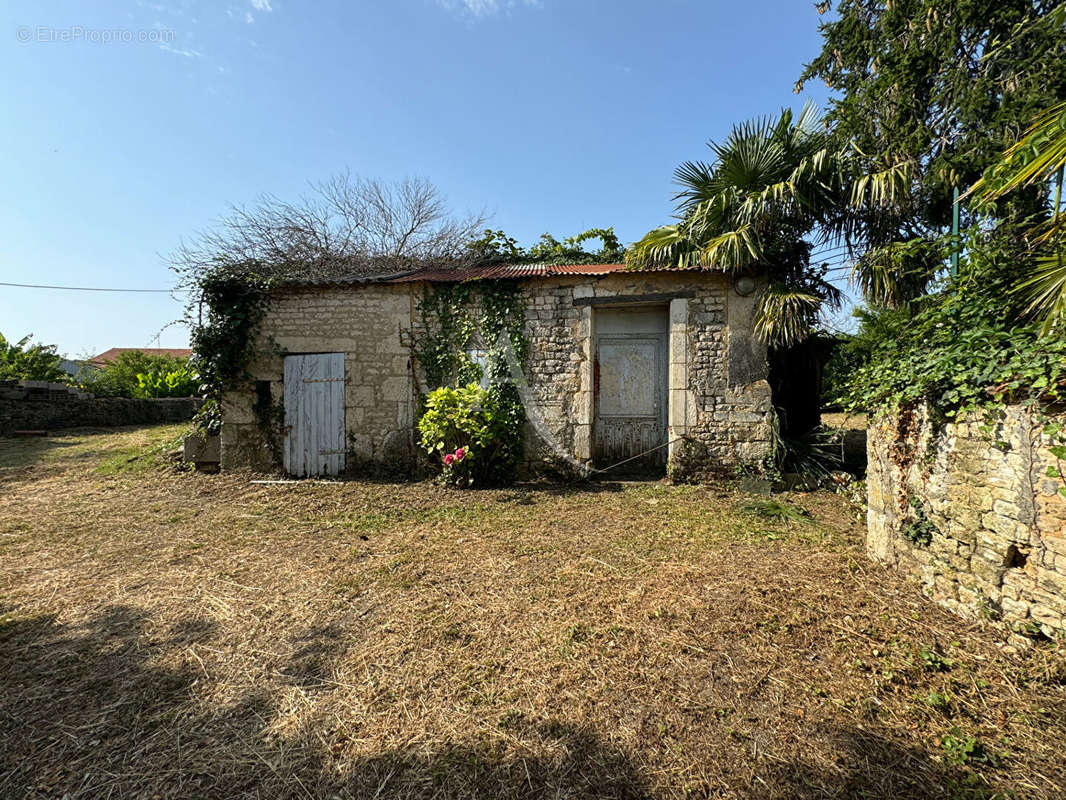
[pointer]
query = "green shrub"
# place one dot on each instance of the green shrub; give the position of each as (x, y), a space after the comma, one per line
(123, 377)
(180, 382)
(966, 346)
(475, 432)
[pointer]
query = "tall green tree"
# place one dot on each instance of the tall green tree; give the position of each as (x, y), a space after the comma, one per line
(933, 90)
(773, 187)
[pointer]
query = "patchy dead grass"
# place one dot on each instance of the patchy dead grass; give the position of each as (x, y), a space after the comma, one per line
(845, 421)
(181, 635)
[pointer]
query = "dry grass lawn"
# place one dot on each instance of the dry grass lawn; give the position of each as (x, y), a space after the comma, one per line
(171, 634)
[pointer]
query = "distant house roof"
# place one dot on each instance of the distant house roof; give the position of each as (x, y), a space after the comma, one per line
(108, 356)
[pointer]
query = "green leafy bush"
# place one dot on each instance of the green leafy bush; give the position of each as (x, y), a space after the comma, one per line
(475, 432)
(964, 347)
(180, 382)
(497, 246)
(21, 361)
(851, 352)
(123, 377)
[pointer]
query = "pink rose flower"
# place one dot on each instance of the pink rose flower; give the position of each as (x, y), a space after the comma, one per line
(460, 454)
(448, 459)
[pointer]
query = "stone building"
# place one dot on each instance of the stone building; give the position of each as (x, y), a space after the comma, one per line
(620, 363)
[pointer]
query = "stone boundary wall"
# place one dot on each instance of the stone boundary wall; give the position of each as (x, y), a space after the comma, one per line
(973, 514)
(54, 413)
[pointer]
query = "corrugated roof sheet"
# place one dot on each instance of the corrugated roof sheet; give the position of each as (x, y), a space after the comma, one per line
(506, 271)
(342, 280)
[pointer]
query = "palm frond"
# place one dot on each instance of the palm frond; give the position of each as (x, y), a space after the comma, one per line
(772, 182)
(663, 247)
(697, 181)
(882, 188)
(809, 122)
(1038, 155)
(1046, 290)
(753, 163)
(712, 215)
(732, 250)
(785, 317)
(892, 275)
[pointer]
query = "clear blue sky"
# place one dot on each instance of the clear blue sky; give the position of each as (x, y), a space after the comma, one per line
(554, 115)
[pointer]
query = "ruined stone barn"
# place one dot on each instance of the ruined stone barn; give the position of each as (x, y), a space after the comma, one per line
(659, 368)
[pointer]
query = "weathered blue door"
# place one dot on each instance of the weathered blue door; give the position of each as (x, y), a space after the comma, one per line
(314, 414)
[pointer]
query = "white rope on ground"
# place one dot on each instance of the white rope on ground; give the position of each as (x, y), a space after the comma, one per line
(638, 455)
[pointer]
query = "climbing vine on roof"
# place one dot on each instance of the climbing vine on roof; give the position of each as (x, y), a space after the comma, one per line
(498, 247)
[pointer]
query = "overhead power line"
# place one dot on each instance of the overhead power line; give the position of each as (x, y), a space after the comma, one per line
(85, 288)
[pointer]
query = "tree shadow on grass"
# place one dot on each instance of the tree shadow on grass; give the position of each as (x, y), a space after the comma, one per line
(873, 765)
(112, 707)
(22, 452)
(121, 706)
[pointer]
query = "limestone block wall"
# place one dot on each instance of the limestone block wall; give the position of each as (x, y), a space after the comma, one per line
(973, 513)
(366, 323)
(732, 410)
(558, 371)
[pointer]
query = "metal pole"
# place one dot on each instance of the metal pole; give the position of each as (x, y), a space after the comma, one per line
(955, 244)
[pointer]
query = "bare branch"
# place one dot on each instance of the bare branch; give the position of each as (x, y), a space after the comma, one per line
(344, 226)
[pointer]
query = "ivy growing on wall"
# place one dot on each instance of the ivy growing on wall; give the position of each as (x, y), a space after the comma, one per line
(224, 319)
(482, 315)
(450, 328)
(966, 349)
(460, 317)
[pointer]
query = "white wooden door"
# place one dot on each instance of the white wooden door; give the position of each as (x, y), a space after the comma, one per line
(314, 414)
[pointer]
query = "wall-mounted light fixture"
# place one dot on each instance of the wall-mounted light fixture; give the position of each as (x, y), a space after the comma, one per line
(744, 285)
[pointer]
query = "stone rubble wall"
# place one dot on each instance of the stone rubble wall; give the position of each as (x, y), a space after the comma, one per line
(57, 411)
(720, 398)
(719, 394)
(730, 410)
(996, 520)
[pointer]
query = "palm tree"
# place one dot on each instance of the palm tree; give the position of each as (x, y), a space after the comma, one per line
(773, 191)
(1038, 157)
